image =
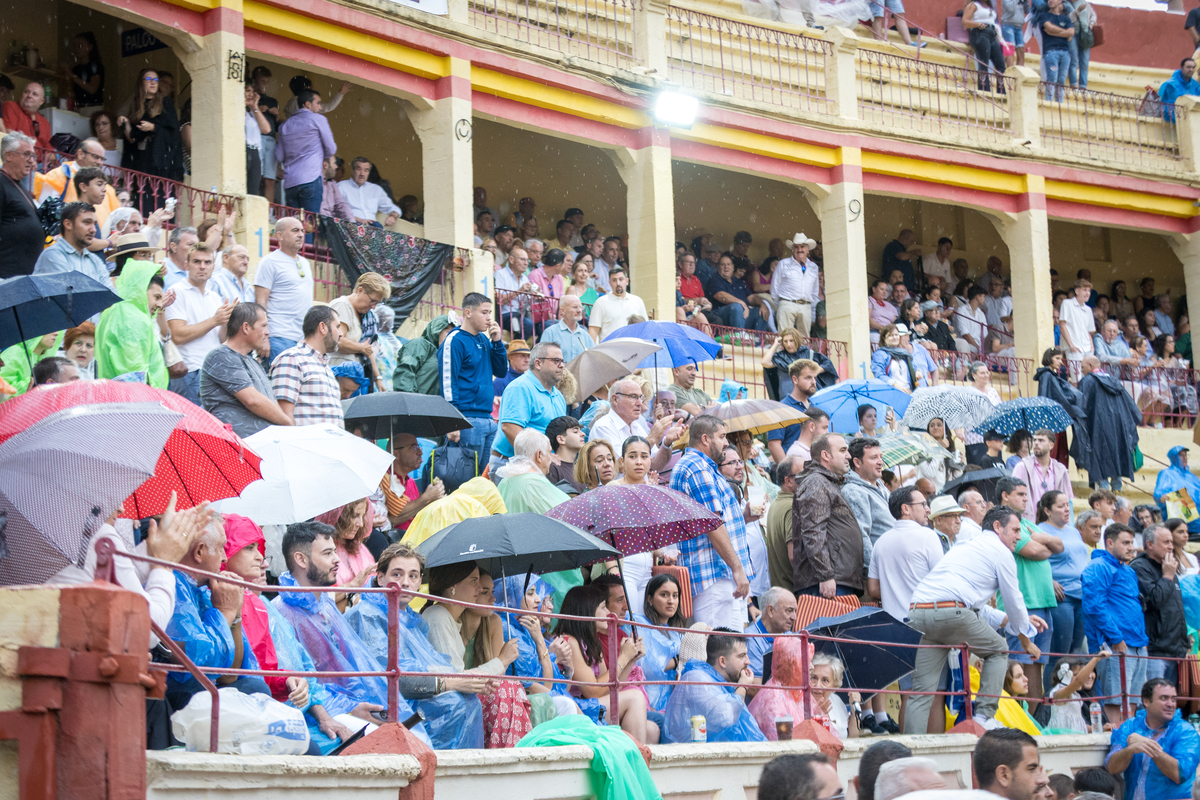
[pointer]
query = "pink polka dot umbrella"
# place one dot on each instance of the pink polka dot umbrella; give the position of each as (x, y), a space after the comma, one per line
(637, 519)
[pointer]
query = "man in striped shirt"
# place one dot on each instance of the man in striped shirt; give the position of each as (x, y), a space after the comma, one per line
(305, 387)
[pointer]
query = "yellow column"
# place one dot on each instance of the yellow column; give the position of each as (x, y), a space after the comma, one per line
(650, 208)
(253, 230)
(843, 243)
(445, 129)
(216, 64)
(1187, 250)
(1027, 236)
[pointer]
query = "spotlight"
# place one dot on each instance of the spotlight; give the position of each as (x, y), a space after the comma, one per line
(675, 109)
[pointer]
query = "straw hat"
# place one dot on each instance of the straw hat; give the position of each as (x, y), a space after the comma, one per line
(129, 243)
(800, 238)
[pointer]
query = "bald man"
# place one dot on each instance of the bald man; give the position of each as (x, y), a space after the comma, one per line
(283, 285)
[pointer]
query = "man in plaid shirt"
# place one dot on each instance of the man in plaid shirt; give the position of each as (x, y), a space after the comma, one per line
(304, 385)
(720, 585)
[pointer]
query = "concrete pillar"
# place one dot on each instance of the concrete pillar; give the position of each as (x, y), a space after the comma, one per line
(1187, 128)
(1023, 105)
(650, 207)
(1187, 250)
(445, 129)
(1027, 236)
(650, 31)
(216, 65)
(841, 72)
(843, 242)
(253, 230)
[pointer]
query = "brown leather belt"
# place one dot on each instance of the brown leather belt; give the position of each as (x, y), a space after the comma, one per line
(939, 604)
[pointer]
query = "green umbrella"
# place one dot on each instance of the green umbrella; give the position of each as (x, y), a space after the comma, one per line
(912, 447)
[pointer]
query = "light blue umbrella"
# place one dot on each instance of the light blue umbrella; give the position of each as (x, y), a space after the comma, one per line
(680, 344)
(1030, 413)
(841, 402)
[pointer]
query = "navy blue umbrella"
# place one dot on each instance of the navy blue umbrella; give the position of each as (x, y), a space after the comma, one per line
(34, 305)
(983, 480)
(1030, 413)
(870, 658)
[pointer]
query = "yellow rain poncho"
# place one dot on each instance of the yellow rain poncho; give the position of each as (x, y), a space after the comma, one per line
(440, 514)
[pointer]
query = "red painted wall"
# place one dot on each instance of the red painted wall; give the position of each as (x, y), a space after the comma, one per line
(1132, 37)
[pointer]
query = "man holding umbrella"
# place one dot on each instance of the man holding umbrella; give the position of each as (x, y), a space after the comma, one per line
(714, 561)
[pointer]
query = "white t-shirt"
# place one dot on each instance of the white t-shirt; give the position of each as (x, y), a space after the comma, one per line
(972, 323)
(290, 281)
(253, 134)
(349, 317)
(900, 559)
(1080, 323)
(192, 306)
(997, 307)
(611, 312)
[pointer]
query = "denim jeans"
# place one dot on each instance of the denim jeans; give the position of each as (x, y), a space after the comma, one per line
(1085, 56)
(1163, 668)
(509, 321)
(479, 437)
(306, 196)
(1058, 63)
(1068, 633)
(278, 345)
(187, 387)
(733, 316)
(1108, 674)
(1043, 640)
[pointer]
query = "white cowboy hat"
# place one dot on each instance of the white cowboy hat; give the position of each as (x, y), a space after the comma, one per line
(800, 238)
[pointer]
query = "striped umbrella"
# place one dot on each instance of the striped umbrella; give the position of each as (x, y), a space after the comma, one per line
(957, 406)
(756, 416)
(912, 447)
(1030, 413)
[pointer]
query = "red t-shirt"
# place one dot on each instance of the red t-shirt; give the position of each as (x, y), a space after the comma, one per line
(17, 120)
(690, 288)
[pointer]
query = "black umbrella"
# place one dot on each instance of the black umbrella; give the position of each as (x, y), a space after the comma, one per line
(384, 414)
(982, 479)
(515, 544)
(868, 664)
(34, 305)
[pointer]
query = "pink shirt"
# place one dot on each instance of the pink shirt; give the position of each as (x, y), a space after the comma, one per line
(882, 313)
(552, 288)
(351, 565)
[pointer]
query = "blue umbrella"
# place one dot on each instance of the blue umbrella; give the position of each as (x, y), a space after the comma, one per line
(34, 305)
(841, 402)
(868, 660)
(1030, 413)
(680, 344)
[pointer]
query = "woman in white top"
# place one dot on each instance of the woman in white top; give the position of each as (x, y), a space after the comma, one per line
(981, 381)
(1188, 564)
(983, 32)
(824, 677)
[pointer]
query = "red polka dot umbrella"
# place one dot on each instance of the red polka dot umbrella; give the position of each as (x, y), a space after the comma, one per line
(202, 460)
(637, 519)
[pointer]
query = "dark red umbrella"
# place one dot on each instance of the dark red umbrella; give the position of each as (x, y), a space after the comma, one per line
(202, 460)
(637, 519)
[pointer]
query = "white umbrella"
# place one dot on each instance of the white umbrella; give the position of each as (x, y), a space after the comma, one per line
(307, 470)
(607, 361)
(63, 476)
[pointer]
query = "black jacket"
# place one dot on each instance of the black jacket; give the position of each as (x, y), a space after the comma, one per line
(1162, 603)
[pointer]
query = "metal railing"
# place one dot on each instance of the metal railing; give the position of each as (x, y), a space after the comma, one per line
(749, 62)
(1166, 396)
(742, 356)
(150, 192)
(105, 571)
(1109, 127)
(924, 97)
(329, 281)
(601, 31)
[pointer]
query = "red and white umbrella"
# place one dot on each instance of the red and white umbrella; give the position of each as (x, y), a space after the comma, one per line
(202, 460)
(61, 478)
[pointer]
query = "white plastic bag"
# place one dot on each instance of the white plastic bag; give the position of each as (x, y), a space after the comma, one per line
(761, 9)
(251, 724)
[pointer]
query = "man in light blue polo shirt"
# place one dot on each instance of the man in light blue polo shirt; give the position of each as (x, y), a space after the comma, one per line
(568, 333)
(530, 401)
(70, 249)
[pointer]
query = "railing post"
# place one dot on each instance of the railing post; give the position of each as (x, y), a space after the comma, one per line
(393, 663)
(459, 11)
(805, 689)
(841, 72)
(650, 36)
(614, 673)
(1124, 695)
(965, 655)
(1187, 131)
(1023, 105)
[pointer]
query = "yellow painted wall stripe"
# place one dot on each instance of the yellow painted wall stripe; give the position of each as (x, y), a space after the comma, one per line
(352, 43)
(760, 144)
(946, 174)
(553, 98)
(1120, 198)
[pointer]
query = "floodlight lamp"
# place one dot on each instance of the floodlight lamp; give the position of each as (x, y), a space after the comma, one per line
(675, 109)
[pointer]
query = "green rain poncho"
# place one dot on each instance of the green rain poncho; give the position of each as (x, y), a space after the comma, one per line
(18, 369)
(127, 338)
(416, 363)
(618, 770)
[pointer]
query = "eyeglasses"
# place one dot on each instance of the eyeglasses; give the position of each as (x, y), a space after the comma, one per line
(148, 79)
(557, 361)
(841, 795)
(631, 396)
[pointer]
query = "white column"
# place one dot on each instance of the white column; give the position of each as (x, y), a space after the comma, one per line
(218, 75)
(1027, 236)
(650, 208)
(445, 129)
(843, 243)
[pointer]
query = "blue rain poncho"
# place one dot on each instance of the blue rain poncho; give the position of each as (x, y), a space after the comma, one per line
(661, 647)
(292, 656)
(203, 633)
(454, 720)
(528, 665)
(725, 714)
(335, 647)
(1174, 478)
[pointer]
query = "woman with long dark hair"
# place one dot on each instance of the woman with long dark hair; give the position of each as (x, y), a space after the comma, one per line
(154, 143)
(662, 607)
(588, 658)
